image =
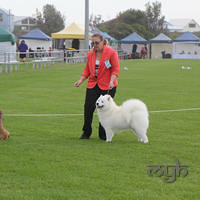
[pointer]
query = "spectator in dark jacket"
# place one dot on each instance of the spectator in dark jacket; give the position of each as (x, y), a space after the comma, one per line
(22, 49)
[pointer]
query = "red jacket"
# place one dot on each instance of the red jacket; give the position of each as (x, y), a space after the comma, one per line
(108, 55)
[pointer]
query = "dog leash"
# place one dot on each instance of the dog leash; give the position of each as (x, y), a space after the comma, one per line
(109, 90)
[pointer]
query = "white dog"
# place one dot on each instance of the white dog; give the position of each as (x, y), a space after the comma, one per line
(132, 114)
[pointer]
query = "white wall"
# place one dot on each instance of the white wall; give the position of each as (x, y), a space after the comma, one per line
(191, 29)
(128, 48)
(7, 51)
(157, 48)
(187, 48)
(33, 44)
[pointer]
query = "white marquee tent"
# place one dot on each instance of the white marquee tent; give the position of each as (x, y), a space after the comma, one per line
(37, 39)
(160, 44)
(186, 46)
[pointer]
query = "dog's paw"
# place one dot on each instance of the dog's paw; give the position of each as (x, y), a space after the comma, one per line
(5, 135)
(143, 140)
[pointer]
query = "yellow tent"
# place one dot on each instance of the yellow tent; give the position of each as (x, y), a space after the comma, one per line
(73, 31)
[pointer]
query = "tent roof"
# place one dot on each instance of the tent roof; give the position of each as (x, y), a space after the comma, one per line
(161, 38)
(6, 36)
(107, 36)
(187, 37)
(104, 34)
(97, 31)
(133, 38)
(36, 34)
(73, 31)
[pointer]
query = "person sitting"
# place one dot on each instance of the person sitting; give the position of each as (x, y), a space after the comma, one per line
(31, 53)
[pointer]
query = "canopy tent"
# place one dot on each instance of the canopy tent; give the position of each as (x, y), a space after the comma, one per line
(161, 38)
(107, 36)
(73, 31)
(133, 38)
(127, 43)
(36, 39)
(186, 46)
(104, 34)
(36, 34)
(160, 46)
(7, 46)
(187, 36)
(71, 34)
(6, 36)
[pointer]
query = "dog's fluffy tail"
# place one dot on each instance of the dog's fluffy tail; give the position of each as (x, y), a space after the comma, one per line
(132, 106)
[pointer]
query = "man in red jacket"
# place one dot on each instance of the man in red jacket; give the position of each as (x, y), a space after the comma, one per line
(102, 69)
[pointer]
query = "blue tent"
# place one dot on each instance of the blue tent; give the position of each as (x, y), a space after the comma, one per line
(133, 38)
(104, 34)
(186, 46)
(161, 38)
(36, 34)
(107, 36)
(187, 37)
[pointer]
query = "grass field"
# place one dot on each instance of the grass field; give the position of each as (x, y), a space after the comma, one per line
(44, 159)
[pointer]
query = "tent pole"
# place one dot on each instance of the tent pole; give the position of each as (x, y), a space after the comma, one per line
(86, 24)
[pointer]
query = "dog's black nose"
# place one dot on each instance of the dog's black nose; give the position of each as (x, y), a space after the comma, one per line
(97, 103)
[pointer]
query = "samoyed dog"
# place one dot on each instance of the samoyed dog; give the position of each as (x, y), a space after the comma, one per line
(132, 114)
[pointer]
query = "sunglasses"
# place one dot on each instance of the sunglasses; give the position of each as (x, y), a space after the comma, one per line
(95, 43)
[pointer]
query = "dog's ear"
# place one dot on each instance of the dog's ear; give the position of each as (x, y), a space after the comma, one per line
(108, 97)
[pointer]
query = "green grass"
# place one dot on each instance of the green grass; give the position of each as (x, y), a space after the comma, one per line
(45, 160)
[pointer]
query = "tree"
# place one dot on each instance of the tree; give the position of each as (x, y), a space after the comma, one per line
(94, 21)
(51, 20)
(125, 23)
(148, 23)
(154, 19)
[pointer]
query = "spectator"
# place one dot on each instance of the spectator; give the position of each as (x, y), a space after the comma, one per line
(22, 49)
(143, 51)
(134, 50)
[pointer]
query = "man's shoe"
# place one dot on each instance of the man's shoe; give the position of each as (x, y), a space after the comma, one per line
(84, 137)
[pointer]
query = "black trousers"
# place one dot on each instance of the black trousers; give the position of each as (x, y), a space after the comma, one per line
(90, 104)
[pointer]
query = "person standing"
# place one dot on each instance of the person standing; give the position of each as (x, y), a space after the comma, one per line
(134, 50)
(144, 51)
(102, 69)
(22, 49)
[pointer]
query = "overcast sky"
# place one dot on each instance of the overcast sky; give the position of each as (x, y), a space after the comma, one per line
(74, 10)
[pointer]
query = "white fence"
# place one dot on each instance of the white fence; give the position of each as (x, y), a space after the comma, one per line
(43, 59)
(11, 61)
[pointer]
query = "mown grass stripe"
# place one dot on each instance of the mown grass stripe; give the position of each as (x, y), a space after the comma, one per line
(81, 114)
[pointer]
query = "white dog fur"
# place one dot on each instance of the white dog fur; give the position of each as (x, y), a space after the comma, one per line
(132, 114)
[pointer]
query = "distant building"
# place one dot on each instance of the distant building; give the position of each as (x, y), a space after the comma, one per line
(182, 25)
(25, 24)
(6, 20)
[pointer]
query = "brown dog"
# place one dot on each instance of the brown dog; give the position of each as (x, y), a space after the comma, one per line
(4, 134)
